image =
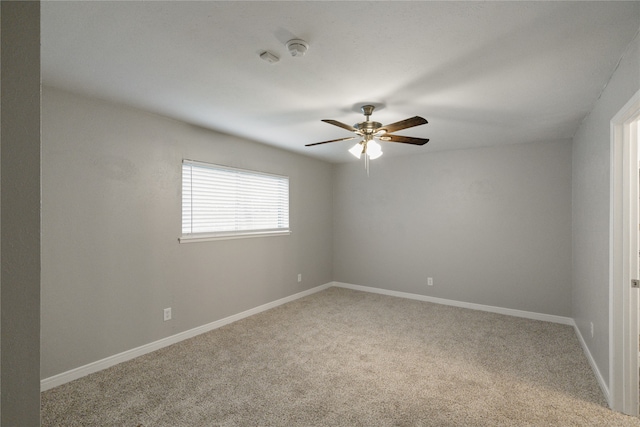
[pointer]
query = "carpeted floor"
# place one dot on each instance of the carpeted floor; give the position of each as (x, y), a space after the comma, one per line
(348, 358)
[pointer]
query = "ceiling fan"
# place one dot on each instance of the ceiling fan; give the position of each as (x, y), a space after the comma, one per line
(369, 130)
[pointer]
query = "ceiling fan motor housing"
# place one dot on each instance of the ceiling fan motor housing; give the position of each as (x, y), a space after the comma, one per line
(368, 127)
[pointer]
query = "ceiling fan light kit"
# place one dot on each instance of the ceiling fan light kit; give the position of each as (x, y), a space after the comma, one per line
(371, 148)
(369, 130)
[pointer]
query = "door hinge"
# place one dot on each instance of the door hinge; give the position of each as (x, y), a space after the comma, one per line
(635, 283)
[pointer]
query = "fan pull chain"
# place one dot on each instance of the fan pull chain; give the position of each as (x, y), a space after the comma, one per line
(366, 163)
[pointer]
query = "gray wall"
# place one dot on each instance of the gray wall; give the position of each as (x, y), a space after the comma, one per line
(111, 260)
(591, 209)
(20, 215)
(491, 226)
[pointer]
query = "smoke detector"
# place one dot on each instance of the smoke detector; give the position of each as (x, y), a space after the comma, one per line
(297, 47)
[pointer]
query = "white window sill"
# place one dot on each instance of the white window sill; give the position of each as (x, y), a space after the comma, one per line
(204, 237)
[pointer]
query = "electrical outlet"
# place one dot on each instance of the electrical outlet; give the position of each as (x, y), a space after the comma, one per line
(167, 314)
(299, 278)
(429, 281)
(591, 329)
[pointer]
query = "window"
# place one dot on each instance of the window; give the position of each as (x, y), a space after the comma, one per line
(220, 202)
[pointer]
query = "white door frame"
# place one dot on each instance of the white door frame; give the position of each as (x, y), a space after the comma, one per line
(623, 300)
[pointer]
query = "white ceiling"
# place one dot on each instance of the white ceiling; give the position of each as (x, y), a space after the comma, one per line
(481, 73)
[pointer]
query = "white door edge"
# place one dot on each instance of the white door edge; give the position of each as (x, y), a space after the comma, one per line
(623, 300)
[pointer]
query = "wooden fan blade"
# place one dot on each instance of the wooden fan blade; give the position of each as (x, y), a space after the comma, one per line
(333, 140)
(403, 139)
(404, 124)
(340, 124)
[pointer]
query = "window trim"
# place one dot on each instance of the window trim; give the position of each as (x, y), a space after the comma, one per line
(230, 235)
(206, 237)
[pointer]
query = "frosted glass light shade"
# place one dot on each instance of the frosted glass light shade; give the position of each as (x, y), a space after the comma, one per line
(374, 150)
(356, 150)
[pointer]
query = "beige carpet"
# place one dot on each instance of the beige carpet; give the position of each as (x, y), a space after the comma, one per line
(347, 358)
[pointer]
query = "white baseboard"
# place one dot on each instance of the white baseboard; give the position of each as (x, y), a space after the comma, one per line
(594, 367)
(65, 377)
(489, 308)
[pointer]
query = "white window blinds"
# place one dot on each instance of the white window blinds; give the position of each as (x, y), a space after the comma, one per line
(224, 202)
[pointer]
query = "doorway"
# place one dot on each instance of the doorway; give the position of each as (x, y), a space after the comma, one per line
(624, 313)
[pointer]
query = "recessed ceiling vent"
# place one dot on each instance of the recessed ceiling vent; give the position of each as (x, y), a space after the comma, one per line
(297, 47)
